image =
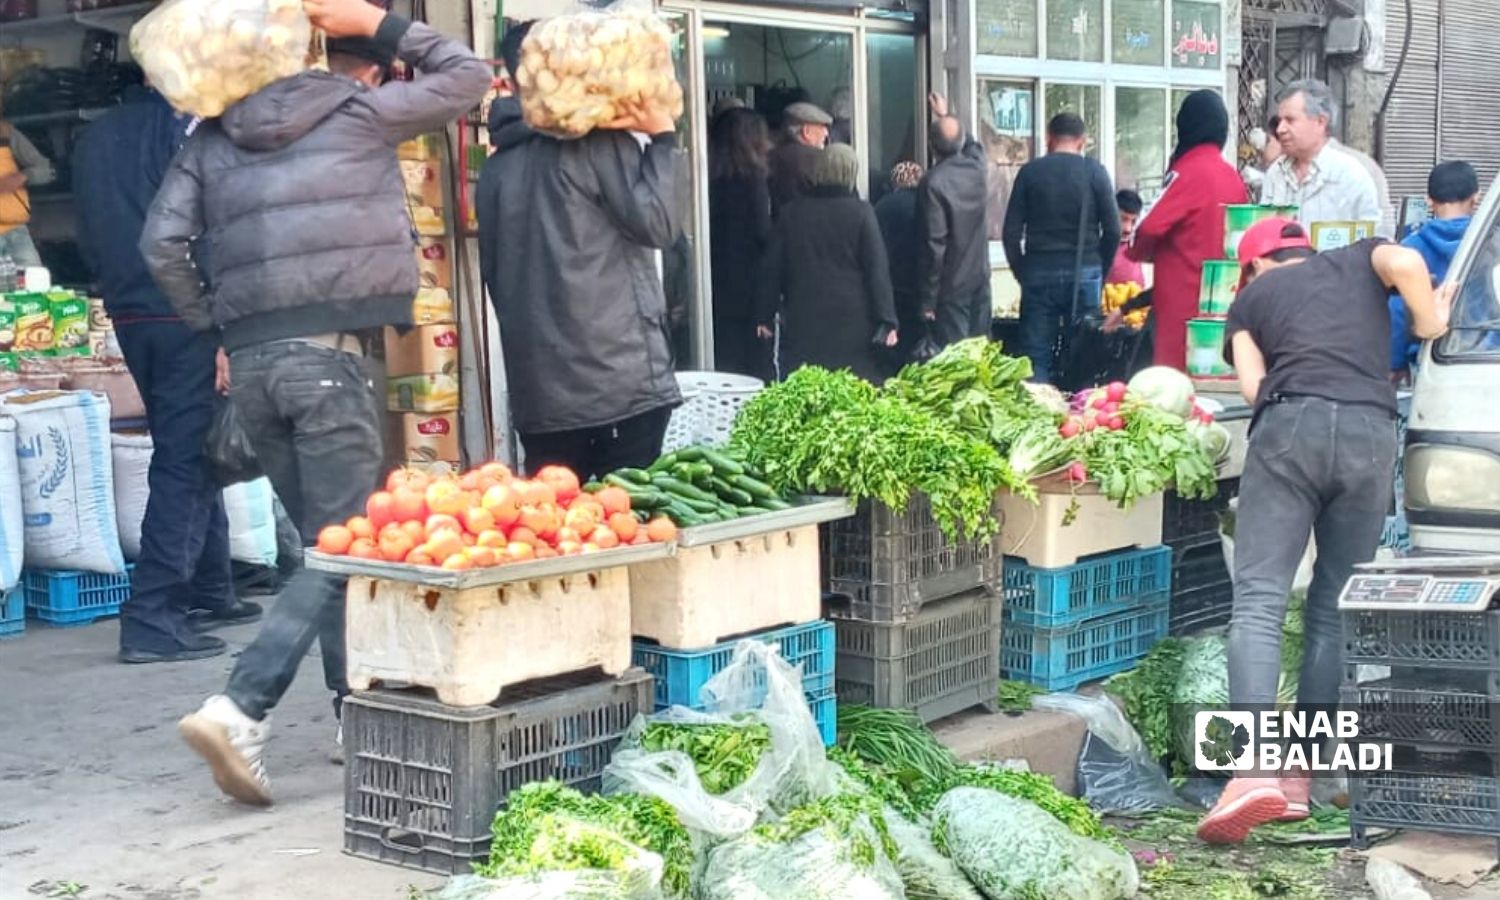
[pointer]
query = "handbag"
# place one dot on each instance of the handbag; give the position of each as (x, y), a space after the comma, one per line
(231, 457)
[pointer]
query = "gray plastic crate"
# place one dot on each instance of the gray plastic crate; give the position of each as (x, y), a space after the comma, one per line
(943, 661)
(1456, 803)
(1445, 640)
(891, 563)
(1442, 715)
(422, 780)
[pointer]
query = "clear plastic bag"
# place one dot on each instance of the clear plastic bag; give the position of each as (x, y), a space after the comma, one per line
(925, 872)
(1013, 850)
(205, 55)
(1115, 770)
(578, 72)
(757, 686)
(638, 879)
(815, 866)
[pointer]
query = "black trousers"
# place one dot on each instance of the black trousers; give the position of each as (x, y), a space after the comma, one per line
(595, 452)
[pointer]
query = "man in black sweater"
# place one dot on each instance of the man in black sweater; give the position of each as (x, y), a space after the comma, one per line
(1061, 233)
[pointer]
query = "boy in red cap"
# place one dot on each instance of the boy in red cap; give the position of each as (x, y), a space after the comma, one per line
(1309, 337)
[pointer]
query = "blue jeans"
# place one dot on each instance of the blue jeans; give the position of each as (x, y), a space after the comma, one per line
(1049, 305)
(184, 559)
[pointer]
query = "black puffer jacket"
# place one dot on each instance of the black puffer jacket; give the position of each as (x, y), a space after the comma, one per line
(568, 234)
(298, 192)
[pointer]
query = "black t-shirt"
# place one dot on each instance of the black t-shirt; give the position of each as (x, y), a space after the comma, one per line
(1324, 327)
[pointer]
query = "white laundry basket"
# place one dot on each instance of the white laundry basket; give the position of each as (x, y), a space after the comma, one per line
(682, 429)
(717, 399)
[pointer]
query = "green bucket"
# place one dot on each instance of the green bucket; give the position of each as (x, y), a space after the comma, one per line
(1238, 217)
(1221, 281)
(1205, 349)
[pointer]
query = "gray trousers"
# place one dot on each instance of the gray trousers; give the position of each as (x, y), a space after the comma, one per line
(1318, 468)
(313, 418)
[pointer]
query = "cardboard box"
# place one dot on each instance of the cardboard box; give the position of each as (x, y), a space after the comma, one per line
(428, 221)
(424, 182)
(432, 392)
(7, 326)
(422, 350)
(426, 438)
(433, 263)
(70, 325)
(432, 306)
(33, 323)
(1333, 235)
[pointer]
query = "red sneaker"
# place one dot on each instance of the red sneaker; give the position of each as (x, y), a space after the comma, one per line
(1296, 789)
(1245, 804)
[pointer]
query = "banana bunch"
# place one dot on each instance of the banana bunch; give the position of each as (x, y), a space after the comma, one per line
(1117, 295)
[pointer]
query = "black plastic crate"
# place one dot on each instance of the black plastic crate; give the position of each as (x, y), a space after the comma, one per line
(1442, 716)
(945, 660)
(1189, 524)
(1456, 803)
(1451, 640)
(422, 780)
(1202, 589)
(891, 563)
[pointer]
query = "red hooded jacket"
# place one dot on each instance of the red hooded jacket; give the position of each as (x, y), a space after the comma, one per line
(1183, 228)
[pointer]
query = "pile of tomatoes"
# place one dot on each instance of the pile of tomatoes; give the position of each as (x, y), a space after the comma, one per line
(489, 517)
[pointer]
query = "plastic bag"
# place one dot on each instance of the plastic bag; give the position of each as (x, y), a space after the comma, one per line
(1390, 881)
(250, 508)
(11, 527)
(1116, 772)
(638, 876)
(926, 872)
(818, 865)
(205, 55)
(132, 461)
(757, 686)
(231, 457)
(578, 72)
(1012, 849)
(1204, 680)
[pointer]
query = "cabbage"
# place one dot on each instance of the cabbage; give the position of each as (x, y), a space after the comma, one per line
(1213, 437)
(1164, 388)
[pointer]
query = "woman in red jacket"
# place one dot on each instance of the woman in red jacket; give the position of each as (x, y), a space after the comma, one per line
(1185, 226)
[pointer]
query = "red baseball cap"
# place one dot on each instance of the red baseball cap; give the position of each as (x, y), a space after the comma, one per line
(1266, 237)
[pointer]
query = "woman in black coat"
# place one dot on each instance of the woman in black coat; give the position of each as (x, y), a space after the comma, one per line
(739, 224)
(826, 273)
(899, 215)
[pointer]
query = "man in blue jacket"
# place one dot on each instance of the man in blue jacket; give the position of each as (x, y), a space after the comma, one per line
(1453, 195)
(184, 560)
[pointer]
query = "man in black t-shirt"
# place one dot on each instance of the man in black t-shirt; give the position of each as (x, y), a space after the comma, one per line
(1309, 336)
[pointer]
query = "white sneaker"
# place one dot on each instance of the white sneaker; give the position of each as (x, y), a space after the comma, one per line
(232, 744)
(336, 755)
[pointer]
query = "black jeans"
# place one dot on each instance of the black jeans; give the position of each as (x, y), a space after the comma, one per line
(312, 415)
(1313, 467)
(595, 452)
(1050, 307)
(962, 316)
(184, 558)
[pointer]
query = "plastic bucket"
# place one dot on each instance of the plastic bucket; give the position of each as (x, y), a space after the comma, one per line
(1238, 217)
(1205, 349)
(1221, 281)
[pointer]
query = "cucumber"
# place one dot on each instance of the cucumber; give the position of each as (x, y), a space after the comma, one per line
(664, 464)
(639, 476)
(772, 504)
(722, 464)
(689, 454)
(752, 487)
(682, 489)
(692, 471)
(699, 506)
(731, 493)
(682, 514)
(641, 496)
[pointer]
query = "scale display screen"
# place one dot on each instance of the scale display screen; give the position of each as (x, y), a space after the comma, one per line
(1410, 591)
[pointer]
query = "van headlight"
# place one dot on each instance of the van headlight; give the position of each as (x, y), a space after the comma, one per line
(1449, 477)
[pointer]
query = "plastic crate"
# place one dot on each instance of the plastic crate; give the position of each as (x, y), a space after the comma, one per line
(941, 662)
(1444, 640)
(1060, 659)
(825, 710)
(74, 598)
(1464, 804)
(12, 613)
(1202, 608)
(422, 781)
(1397, 533)
(681, 674)
(1085, 590)
(1445, 716)
(1188, 524)
(891, 563)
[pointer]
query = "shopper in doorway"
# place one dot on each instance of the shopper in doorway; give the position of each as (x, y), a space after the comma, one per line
(1126, 270)
(22, 166)
(1306, 336)
(739, 218)
(293, 300)
(826, 274)
(1061, 234)
(568, 239)
(1453, 197)
(1316, 175)
(1185, 226)
(956, 254)
(795, 159)
(182, 583)
(899, 214)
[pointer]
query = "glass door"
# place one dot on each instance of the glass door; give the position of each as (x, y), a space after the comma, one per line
(894, 107)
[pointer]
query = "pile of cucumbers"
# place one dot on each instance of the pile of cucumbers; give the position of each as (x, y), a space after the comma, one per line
(698, 486)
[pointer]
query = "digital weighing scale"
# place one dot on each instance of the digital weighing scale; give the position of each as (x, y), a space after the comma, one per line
(1424, 584)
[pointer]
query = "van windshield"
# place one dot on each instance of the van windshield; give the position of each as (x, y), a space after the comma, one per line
(1474, 330)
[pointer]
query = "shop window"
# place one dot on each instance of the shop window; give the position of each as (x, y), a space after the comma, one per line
(1140, 138)
(1081, 99)
(1075, 30)
(679, 264)
(1138, 32)
(1196, 36)
(1006, 27)
(1007, 128)
(893, 121)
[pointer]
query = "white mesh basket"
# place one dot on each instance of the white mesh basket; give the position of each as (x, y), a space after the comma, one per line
(717, 399)
(682, 428)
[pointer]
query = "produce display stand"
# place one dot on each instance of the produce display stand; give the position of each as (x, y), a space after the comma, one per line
(734, 578)
(459, 633)
(1036, 534)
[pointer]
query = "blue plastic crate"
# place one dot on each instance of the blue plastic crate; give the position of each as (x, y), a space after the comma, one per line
(1060, 659)
(825, 712)
(1090, 588)
(681, 674)
(12, 613)
(74, 598)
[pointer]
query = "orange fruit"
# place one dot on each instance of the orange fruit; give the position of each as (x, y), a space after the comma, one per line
(458, 562)
(483, 557)
(624, 525)
(504, 503)
(445, 497)
(614, 500)
(335, 539)
(478, 520)
(380, 509)
(443, 544)
(408, 505)
(535, 493)
(661, 529)
(562, 480)
(419, 557)
(569, 548)
(523, 535)
(495, 540)
(361, 527)
(364, 548)
(605, 537)
(442, 522)
(582, 518)
(519, 552)
(396, 544)
(416, 530)
(544, 521)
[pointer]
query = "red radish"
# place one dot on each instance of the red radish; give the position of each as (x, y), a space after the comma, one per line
(1116, 391)
(1069, 428)
(1077, 473)
(1115, 423)
(1098, 398)
(1110, 408)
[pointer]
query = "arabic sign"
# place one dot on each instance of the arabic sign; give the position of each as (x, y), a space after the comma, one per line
(1075, 30)
(1006, 27)
(1137, 32)
(1197, 29)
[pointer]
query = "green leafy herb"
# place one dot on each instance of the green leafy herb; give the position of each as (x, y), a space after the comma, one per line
(723, 755)
(896, 741)
(839, 815)
(1032, 786)
(1015, 696)
(1147, 691)
(1151, 453)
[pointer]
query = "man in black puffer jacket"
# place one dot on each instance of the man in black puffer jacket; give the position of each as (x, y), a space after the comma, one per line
(568, 235)
(297, 191)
